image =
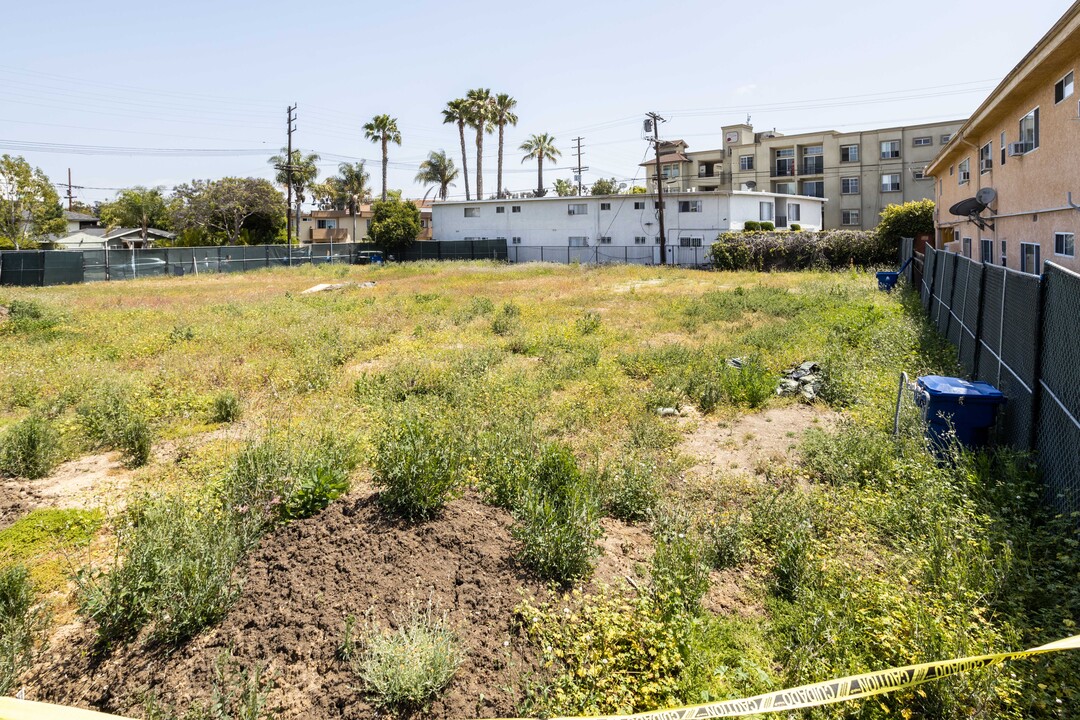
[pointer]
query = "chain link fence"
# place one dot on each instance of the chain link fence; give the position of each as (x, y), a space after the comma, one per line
(610, 255)
(1018, 332)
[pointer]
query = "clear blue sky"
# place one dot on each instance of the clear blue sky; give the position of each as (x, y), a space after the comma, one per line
(201, 74)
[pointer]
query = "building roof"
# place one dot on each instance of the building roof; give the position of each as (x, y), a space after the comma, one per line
(668, 195)
(81, 217)
(672, 158)
(1053, 43)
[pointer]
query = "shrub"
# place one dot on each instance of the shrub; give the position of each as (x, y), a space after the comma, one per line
(558, 519)
(226, 407)
(709, 386)
(801, 250)
(795, 227)
(631, 489)
(24, 625)
(110, 420)
(751, 226)
(29, 317)
(728, 535)
(417, 466)
(767, 226)
(505, 457)
(406, 668)
(30, 448)
(313, 492)
(507, 319)
(172, 570)
(588, 323)
(680, 570)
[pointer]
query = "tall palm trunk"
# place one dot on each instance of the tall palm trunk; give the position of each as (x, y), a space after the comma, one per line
(384, 141)
(480, 161)
(540, 176)
(464, 159)
(499, 193)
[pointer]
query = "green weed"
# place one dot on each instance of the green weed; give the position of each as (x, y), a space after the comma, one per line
(24, 624)
(417, 465)
(30, 448)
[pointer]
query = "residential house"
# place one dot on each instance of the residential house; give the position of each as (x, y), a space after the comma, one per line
(77, 221)
(859, 173)
(324, 226)
(616, 223)
(1017, 163)
(97, 238)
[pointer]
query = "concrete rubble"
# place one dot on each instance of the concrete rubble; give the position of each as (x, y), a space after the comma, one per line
(804, 380)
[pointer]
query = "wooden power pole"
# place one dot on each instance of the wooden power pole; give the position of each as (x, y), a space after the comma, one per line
(580, 168)
(288, 177)
(655, 122)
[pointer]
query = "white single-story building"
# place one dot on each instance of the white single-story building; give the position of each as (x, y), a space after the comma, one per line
(613, 228)
(114, 239)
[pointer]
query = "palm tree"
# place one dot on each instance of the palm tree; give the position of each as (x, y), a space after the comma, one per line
(383, 129)
(480, 116)
(438, 170)
(504, 115)
(304, 173)
(457, 111)
(354, 185)
(540, 148)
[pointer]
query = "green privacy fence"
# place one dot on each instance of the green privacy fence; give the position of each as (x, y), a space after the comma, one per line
(59, 267)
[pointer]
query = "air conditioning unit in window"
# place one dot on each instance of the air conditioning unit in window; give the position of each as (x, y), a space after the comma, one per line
(986, 165)
(1017, 148)
(965, 176)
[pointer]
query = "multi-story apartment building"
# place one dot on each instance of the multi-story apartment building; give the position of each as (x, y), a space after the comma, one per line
(1017, 163)
(324, 226)
(860, 173)
(692, 220)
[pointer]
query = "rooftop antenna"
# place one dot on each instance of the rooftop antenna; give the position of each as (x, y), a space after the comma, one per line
(747, 118)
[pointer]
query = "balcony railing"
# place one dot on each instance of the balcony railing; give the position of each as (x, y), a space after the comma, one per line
(325, 234)
(784, 170)
(813, 167)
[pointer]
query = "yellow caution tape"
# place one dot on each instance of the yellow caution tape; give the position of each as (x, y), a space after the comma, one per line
(843, 689)
(804, 696)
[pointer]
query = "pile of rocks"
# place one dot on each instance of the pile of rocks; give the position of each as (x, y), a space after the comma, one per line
(803, 380)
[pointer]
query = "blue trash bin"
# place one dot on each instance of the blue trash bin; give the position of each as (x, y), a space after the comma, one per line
(887, 280)
(968, 408)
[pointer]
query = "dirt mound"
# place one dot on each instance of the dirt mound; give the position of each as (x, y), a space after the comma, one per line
(299, 586)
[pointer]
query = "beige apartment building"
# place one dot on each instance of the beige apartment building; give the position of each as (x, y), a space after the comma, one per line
(858, 173)
(324, 226)
(1013, 170)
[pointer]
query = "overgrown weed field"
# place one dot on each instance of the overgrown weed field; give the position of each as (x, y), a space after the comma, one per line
(560, 397)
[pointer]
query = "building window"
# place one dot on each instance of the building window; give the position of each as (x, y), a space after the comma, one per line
(785, 188)
(500, 210)
(656, 240)
(922, 141)
(794, 212)
(849, 153)
(746, 162)
(690, 242)
(1029, 130)
(986, 158)
(656, 205)
(849, 217)
(849, 186)
(946, 138)
(765, 211)
(1063, 88)
(639, 204)
(605, 206)
(640, 239)
(890, 182)
(1029, 258)
(605, 239)
(689, 206)
(578, 241)
(669, 171)
(814, 189)
(890, 149)
(1003, 144)
(472, 212)
(515, 241)
(515, 208)
(965, 247)
(1004, 255)
(326, 224)
(986, 251)
(1065, 244)
(964, 174)
(577, 209)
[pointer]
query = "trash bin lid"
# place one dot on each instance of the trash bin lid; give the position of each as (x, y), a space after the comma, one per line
(940, 386)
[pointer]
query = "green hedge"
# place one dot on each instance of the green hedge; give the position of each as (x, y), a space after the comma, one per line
(800, 250)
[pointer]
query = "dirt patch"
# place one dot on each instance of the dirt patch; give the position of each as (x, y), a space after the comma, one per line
(750, 443)
(729, 594)
(84, 483)
(627, 552)
(299, 586)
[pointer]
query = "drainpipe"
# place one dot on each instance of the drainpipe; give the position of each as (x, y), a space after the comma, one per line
(1068, 199)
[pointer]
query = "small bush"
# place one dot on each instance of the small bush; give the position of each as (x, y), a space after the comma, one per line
(417, 466)
(30, 317)
(729, 537)
(507, 319)
(30, 448)
(24, 625)
(751, 226)
(768, 226)
(631, 490)
(751, 385)
(110, 420)
(588, 323)
(406, 668)
(505, 457)
(558, 519)
(226, 407)
(312, 493)
(680, 570)
(802, 250)
(796, 227)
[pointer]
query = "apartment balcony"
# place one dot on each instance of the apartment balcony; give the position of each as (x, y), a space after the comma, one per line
(784, 171)
(813, 167)
(329, 235)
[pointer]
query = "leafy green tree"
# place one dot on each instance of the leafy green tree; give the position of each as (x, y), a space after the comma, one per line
(638, 190)
(228, 206)
(503, 110)
(907, 220)
(140, 207)
(457, 112)
(565, 188)
(305, 172)
(29, 205)
(394, 224)
(540, 148)
(329, 195)
(437, 170)
(383, 129)
(481, 117)
(605, 186)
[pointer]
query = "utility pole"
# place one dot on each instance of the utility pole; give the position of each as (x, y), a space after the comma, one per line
(70, 195)
(577, 151)
(288, 177)
(655, 120)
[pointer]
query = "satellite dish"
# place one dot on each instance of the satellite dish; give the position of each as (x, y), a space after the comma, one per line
(986, 196)
(750, 184)
(622, 186)
(968, 207)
